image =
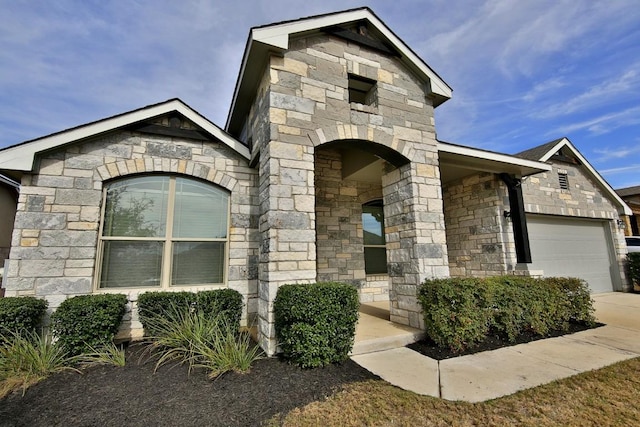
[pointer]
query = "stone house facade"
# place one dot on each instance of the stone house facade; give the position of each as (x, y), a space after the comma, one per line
(8, 205)
(328, 169)
(631, 196)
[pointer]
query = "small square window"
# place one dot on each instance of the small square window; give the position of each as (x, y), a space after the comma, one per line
(563, 180)
(362, 90)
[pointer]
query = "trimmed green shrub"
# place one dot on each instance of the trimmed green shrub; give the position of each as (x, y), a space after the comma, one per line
(316, 323)
(456, 313)
(633, 267)
(575, 303)
(461, 312)
(21, 314)
(223, 303)
(87, 322)
(509, 306)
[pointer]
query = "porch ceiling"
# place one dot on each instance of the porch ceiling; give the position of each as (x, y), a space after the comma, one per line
(457, 161)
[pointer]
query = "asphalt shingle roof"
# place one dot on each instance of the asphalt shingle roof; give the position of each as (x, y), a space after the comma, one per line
(628, 191)
(536, 153)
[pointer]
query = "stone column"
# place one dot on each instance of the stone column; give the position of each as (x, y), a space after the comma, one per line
(287, 227)
(415, 233)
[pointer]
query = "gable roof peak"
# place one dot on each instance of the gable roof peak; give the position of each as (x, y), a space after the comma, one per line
(266, 39)
(544, 152)
(539, 152)
(20, 158)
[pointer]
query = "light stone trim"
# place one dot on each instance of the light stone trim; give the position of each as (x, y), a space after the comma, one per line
(123, 168)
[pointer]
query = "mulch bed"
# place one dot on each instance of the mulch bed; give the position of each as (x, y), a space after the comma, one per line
(134, 396)
(493, 342)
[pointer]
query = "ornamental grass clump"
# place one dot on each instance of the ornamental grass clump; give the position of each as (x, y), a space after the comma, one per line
(200, 339)
(107, 354)
(27, 357)
(223, 302)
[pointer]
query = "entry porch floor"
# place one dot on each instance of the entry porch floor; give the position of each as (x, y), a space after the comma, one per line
(375, 332)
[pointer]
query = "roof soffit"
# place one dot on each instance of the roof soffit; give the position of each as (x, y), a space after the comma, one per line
(460, 158)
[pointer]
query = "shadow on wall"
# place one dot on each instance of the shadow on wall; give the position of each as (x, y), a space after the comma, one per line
(8, 205)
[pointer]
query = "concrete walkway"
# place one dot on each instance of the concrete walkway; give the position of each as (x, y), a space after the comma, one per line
(492, 374)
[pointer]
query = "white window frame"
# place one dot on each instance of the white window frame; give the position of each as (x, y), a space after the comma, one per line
(167, 241)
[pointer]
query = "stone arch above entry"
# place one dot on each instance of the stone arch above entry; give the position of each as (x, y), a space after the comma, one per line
(367, 138)
(186, 167)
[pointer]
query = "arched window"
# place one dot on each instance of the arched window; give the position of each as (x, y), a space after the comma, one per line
(375, 251)
(162, 231)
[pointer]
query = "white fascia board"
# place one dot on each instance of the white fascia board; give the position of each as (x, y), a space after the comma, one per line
(278, 36)
(214, 130)
(495, 157)
(594, 174)
(9, 181)
(554, 150)
(21, 157)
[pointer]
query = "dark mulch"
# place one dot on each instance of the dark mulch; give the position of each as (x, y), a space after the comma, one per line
(493, 342)
(135, 396)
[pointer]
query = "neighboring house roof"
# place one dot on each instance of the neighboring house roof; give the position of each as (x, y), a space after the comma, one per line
(629, 191)
(460, 158)
(544, 152)
(20, 158)
(275, 38)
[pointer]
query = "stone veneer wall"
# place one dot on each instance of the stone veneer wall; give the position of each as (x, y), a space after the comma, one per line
(479, 238)
(633, 201)
(584, 198)
(56, 228)
(8, 204)
(339, 232)
(306, 90)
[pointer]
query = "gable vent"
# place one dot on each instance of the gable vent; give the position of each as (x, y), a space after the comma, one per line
(563, 180)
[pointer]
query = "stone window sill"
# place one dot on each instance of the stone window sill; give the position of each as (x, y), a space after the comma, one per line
(371, 109)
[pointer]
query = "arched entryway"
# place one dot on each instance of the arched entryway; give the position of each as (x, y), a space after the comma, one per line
(350, 229)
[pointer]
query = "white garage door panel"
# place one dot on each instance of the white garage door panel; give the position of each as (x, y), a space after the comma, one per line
(571, 247)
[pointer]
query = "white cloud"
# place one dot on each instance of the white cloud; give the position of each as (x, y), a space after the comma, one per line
(544, 89)
(615, 153)
(626, 86)
(604, 123)
(624, 169)
(66, 62)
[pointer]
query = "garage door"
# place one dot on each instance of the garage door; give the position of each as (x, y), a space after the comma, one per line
(572, 248)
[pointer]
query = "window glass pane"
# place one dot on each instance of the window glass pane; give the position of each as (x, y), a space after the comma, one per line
(131, 264)
(375, 260)
(137, 207)
(197, 263)
(373, 225)
(200, 210)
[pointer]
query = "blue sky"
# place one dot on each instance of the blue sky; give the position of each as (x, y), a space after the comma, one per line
(524, 72)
